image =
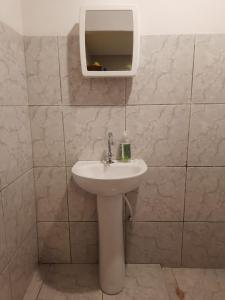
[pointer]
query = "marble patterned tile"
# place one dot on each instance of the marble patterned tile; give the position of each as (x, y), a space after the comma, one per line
(37, 281)
(195, 284)
(84, 242)
(13, 85)
(51, 193)
(47, 136)
(159, 133)
(22, 266)
(209, 69)
(71, 282)
(205, 194)
(143, 282)
(207, 135)
(165, 71)
(86, 131)
(203, 245)
(42, 64)
(3, 249)
(53, 242)
(5, 292)
(19, 211)
(82, 205)
(154, 242)
(160, 196)
(78, 90)
(15, 140)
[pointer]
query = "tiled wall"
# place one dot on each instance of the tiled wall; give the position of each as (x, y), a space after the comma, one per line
(18, 238)
(174, 111)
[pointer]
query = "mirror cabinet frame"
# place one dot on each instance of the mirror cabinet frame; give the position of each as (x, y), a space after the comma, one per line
(136, 41)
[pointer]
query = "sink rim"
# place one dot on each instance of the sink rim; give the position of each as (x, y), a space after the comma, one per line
(141, 162)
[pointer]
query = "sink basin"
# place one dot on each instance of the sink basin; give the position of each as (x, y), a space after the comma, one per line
(108, 180)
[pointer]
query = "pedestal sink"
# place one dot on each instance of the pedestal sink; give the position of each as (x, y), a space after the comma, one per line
(110, 182)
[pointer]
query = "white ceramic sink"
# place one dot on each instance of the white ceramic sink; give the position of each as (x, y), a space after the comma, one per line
(108, 180)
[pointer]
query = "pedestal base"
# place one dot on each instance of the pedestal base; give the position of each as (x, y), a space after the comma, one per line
(111, 244)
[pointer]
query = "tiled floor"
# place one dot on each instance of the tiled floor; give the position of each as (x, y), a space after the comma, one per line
(143, 282)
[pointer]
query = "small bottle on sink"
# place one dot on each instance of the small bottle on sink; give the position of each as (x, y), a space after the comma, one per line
(125, 149)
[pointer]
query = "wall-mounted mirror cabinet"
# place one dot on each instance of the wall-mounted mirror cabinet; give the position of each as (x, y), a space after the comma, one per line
(109, 41)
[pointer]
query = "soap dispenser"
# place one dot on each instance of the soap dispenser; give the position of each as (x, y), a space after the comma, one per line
(125, 149)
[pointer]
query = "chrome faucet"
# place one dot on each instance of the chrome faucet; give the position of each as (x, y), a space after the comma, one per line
(110, 143)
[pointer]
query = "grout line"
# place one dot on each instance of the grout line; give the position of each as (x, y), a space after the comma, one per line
(125, 91)
(118, 105)
(59, 69)
(193, 69)
(182, 237)
(10, 281)
(18, 249)
(55, 166)
(68, 212)
(70, 244)
(2, 188)
(185, 188)
(149, 166)
(31, 136)
(126, 104)
(161, 104)
(178, 221)
(4, 233)
(125, 119)
(73, 106)
(193, 166)
(66, 221)
(39, 291)
(64, 144)
(202, 102)
(32, 149)
(188, 144)
(42, 284)
(36, 212)
(14, 105)
(143, 221)
(67, 263)
(190, 109)
(38, 294)
(59, 167)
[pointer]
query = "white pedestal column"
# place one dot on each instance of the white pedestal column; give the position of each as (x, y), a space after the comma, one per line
(111, 244)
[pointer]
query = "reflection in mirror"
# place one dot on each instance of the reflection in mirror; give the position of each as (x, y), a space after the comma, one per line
(109, 40)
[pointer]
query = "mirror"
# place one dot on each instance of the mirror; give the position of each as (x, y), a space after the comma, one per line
(108, 42)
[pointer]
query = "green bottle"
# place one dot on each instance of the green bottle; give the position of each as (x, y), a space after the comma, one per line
(125, 149)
